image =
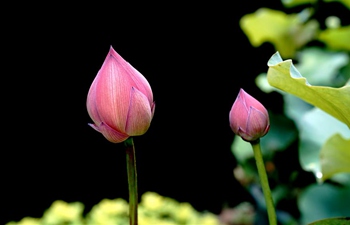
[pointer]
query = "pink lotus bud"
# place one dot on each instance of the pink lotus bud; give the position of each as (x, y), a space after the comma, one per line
(120, 100)
(248, 117)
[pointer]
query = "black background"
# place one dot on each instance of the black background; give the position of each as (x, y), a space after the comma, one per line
(195, 57)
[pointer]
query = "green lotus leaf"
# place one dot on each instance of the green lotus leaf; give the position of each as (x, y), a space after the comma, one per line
(335, 156)
(284, 76)
(286, 32)
(336, 38)
(319, 66)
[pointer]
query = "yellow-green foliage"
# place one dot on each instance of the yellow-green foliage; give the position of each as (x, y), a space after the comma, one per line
(153, 209)
(287, 32)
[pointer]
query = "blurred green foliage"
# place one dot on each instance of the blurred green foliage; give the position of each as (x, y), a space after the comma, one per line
(153, 209)
(315, 121)
(287, 33)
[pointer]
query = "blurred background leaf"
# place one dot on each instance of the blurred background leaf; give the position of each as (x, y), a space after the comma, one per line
(335, 156)
(321, 67)
(315, 128)
(288, 33)
(336, 38)
(320, 201)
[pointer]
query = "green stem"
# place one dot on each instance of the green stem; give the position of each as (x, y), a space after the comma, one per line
(132, 179)
(264, 182)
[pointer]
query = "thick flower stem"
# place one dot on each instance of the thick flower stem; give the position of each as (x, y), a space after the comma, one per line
(264, 182)
(132, 180)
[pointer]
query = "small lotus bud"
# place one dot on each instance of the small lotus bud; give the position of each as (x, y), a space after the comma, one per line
(249, 119)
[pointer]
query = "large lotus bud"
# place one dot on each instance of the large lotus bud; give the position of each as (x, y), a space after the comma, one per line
(120, 100)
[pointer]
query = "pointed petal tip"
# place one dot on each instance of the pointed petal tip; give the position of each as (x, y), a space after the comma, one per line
(111, 49)
(241, 90)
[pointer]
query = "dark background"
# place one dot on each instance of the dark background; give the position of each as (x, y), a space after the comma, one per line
(195, 58)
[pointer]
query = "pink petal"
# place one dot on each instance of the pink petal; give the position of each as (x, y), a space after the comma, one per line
(135, 78)
(91, 103)
(153, 107)
(238, 114)
(140, 114)
(141, 83)
(256, 123)
(244, 135)
(251, 101)
(109, 133)
(112, 94)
